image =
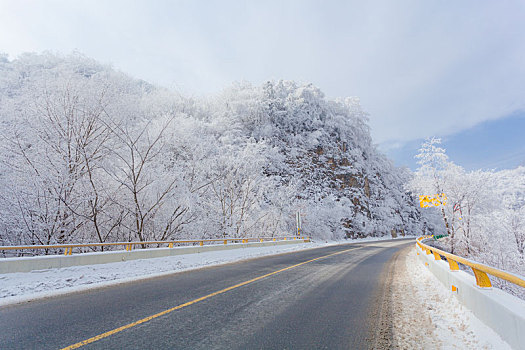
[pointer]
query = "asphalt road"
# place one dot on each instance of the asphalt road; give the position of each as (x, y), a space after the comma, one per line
(313, 299)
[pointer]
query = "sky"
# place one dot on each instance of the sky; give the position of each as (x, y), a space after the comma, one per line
(451, 69)
(490, 145)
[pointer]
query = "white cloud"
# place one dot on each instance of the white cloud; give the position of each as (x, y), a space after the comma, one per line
(420, 67)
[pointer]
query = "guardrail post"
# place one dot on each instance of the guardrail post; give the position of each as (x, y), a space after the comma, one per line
(201, 243)
(274, 239)
(436, 256)
(170, 245)
(262, 240)
(225, 241)
(428, 251)
(482, 280)
(453, 265)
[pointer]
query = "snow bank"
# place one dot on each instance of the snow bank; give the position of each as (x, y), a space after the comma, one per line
(427, 315)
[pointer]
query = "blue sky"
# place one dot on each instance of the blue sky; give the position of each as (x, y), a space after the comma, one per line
(495, 144)
(421, 68)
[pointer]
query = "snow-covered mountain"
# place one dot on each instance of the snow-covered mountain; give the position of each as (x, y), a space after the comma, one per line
(89, 153)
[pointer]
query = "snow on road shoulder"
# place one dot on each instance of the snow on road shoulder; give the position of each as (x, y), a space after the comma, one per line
(26, 286)
(428, 315)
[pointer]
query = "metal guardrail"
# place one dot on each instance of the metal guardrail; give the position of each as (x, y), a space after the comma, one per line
(68, 248)
(481, 271)
(439, 236)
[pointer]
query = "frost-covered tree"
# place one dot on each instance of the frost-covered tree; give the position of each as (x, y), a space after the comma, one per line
(53, 140)
(483, 212)
(90, 154)
(430, 178)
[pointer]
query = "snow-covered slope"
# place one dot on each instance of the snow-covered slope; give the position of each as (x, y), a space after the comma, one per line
(90, 154)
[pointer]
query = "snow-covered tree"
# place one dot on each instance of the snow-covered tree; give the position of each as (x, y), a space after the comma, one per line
(88, 153)
(484, 210)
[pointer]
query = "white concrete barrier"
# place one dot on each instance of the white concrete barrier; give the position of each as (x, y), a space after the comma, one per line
(26, 264)
(502, 312)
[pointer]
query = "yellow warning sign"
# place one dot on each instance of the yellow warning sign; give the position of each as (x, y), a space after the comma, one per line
(435, 200)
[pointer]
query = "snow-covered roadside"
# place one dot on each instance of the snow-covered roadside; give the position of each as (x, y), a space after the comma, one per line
(26, 286)
(427, 315)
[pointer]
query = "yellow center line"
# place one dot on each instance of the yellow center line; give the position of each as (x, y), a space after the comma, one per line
(149, 318)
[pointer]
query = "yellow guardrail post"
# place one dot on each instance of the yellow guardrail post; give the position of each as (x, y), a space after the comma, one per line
(482, 280)
(436, 256)
(453, 265)
(225, 241)
(170, 245)
(201, 243)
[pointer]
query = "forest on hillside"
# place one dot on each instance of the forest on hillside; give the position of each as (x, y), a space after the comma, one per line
(89, 154)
